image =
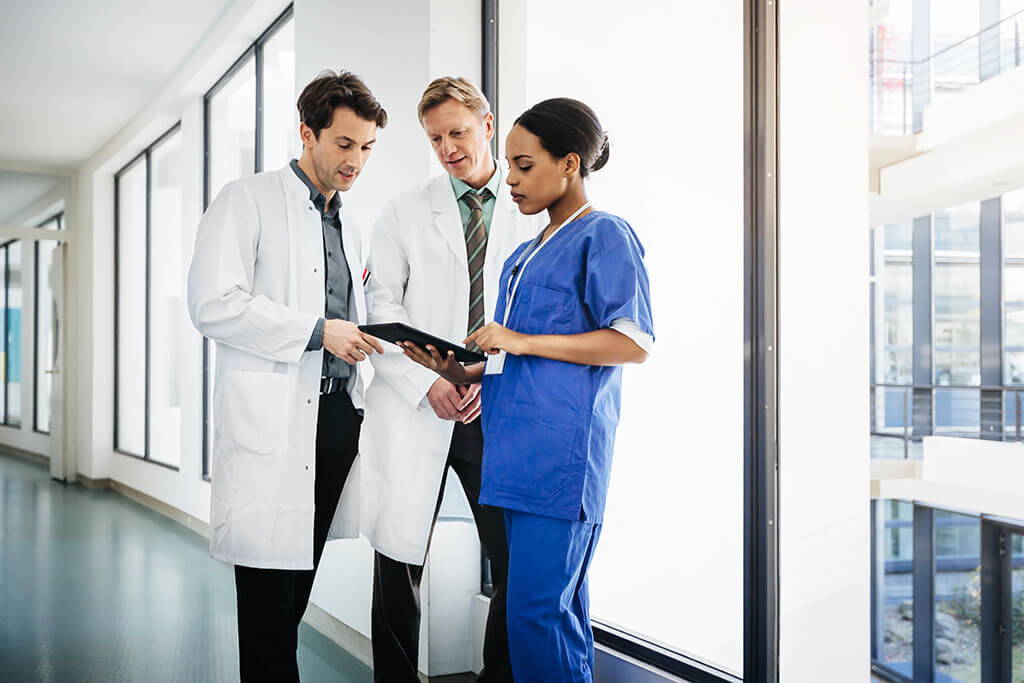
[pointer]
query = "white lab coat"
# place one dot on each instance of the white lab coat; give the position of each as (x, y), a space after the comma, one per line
(256, 288)
(419, 276)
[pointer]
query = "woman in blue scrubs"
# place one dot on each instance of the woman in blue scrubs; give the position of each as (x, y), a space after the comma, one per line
(574, 305)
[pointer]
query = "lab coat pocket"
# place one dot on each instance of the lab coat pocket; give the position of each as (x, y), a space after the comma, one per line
(542, 310)
(255, 414)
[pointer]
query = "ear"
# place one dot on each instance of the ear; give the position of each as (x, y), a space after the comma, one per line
(571, 164)
(307, 136)
(489, 126)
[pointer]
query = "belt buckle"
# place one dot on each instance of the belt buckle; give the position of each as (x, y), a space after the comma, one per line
(329, 385)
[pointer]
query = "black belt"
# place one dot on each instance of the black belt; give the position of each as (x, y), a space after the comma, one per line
(329, 385)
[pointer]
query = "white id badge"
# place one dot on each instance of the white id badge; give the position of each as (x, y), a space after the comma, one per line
(495, 364)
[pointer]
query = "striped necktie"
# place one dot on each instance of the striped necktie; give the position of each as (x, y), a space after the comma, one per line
(476, 246)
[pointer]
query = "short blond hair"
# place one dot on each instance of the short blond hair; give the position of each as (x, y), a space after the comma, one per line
(453, 88)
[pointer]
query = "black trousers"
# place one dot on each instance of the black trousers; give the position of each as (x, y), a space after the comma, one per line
(271, 602)
(395, 615)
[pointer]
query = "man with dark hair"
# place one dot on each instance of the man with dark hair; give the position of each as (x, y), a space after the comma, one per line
(276, 280)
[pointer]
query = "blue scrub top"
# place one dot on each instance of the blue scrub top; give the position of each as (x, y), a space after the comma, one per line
(549, 426)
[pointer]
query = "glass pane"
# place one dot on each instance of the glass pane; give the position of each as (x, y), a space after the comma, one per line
(891, 72)
(131, 310)
(280, 115)
(166, 287)
(896, 597)
(3, 394)
(233, 129)
(958, 596)
(955, 24)
(896, 327)
(653, 479)
(1017, 598)
(1013, 286)
(13, 321)
(957, 294)
(45, 337)
(958, 412)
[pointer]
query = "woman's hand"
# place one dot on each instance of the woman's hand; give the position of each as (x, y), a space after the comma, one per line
(492, 338)
(449, 368)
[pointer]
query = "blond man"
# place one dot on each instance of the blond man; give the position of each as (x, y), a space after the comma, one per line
(435, 259)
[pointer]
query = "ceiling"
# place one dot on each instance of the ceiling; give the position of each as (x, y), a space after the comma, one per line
(74, 73)
(20, 190)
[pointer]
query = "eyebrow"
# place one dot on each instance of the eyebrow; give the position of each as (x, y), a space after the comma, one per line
(354, 142)
(521, 156)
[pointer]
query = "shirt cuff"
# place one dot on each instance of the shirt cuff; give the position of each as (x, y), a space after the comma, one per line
(316, 340)
(629, 328)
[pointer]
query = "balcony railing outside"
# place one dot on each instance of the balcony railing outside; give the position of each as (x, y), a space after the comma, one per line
(964, 64)
(908, 413)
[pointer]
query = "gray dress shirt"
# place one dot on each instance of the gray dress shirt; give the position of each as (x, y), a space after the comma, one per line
(337, 280)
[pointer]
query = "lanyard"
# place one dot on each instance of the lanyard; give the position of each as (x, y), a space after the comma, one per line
(520, 265)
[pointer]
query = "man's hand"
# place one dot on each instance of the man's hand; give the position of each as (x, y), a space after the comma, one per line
(445, 398)
(344, 340)
(471, 403)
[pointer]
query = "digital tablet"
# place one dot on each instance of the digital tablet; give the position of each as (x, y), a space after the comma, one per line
(396, 332)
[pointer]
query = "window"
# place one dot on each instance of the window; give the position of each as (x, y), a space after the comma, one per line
(148, 284)
(958, 596)
(130, 309)
(1017, 604)
(12, 301)
(166, 302)
(251, 125)
(45, 333)
(895, 645)
(1013, 287)
(957, 292)
(655, 473)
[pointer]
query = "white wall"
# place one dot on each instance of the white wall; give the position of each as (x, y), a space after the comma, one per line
(823, 321)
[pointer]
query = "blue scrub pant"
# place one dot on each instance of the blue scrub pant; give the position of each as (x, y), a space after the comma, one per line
(549, 633)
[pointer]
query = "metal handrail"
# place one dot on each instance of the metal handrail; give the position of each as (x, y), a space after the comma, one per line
(957, 44)
(907, 433)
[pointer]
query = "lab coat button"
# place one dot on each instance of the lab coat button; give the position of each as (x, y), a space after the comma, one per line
(309, 400)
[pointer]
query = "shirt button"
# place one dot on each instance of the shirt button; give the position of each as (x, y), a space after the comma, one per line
(329, 254)
(330, 290)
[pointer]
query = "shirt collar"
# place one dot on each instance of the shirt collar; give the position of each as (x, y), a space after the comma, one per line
(494, 184)
(315, 195)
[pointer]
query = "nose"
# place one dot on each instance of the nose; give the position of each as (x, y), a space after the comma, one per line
(449, 147)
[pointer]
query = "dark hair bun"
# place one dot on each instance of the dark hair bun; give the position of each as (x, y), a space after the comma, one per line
(566, 126)
(602, 156)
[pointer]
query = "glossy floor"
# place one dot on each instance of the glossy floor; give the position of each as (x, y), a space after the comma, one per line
(95, 587)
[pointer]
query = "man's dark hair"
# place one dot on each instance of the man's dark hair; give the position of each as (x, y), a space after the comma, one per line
(331, 90)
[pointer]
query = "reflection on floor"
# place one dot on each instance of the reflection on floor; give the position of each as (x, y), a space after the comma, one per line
(94, 587)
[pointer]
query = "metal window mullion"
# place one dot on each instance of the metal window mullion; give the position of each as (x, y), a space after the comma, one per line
(258, 145)
(761, 588)
(924, 593)
(922, 316)
(489, 57)
(996, 602)
(990, 264)
(35, 335)
(149, 205)
(117, 303)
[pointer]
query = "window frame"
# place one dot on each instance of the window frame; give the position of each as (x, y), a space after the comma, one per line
(255, 52)
(59, 218)
(146, 159)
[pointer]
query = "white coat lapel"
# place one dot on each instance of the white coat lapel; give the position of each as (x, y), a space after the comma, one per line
(446, 216)
(305, 240)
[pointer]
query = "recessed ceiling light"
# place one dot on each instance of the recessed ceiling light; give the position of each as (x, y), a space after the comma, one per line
(1000, 183)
